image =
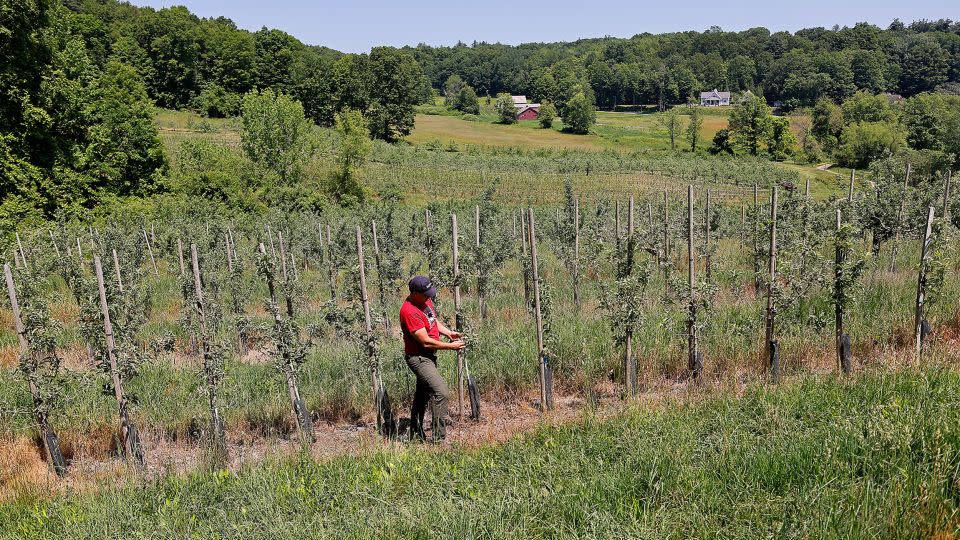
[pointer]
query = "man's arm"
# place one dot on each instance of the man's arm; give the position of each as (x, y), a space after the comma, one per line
(444, 331)
(435, 344)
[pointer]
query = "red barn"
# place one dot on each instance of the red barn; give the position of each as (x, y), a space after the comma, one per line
(527, 113)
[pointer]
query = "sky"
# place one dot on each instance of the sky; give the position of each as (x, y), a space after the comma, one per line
(358, 25)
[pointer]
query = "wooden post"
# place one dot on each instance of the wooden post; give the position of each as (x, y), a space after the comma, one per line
(840, 338)
(693, 361)
(428, 241)
(183, 269)
(853, 177)
(546, 400)
(128, 432)
(576, 253)
(23, 255)
(382, 286)
(922, 285)
(56, 248)
(771, 344)
(900, 216)
(300, 411)
(153, 261)
(116, 269)
(525, 238)
(458, 317)
(331, 270)
(629, 361)
(51, 443)
(376, 383)
(79, 249)
(217, 430)
(756, 239)
(273, 247)
(288, 298)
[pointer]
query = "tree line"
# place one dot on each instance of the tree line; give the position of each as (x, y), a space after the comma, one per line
(796, 69)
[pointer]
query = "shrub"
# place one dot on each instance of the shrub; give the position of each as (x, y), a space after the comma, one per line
(580, 114)
(546, 115)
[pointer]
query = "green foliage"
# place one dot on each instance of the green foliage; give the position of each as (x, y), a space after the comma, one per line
(396, 86)
(694, 125)
(125, 152)
(862, 143)
(671, 121)
(506, 111)
(827, 120)
(215, 101)
(722, 143)
(276, 135)
(750, 124)
(461, 96)
(781, 142)
(546, 115)
(352, 147)
(579, 114)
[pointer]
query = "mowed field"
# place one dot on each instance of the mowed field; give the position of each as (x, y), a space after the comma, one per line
(625, 131)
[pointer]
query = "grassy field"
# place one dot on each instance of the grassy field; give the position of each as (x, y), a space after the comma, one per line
(872, 457)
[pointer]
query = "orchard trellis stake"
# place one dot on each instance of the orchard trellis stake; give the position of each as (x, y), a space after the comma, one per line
(458, 315)
(756, 239)
(545, 371)
(53, 242)
(289, 351)
(116, 270)
(576, 253)
(629, 361)
(51, 444)
(919, 323)
(900, 220)
(377, 261)
(156, 271)
(23, 255)
(772, 347)
(212, 367)
(183, 267)
(128, 431)
(847, 268)
(385, 421)
(694, 360)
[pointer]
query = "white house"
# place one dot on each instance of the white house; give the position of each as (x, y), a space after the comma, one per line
(714, 98)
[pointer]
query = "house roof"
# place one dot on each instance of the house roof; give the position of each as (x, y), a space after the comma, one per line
(525, 106)
(519, 100)
(713, 94)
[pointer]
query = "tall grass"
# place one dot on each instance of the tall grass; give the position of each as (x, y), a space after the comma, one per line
(872, 457)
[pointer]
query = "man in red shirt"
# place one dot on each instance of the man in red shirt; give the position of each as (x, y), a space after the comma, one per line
(421, 340)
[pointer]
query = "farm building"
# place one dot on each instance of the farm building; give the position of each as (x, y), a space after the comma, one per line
(525, 111)
(714, 98)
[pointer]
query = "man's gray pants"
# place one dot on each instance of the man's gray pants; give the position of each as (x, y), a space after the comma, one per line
(429, 385)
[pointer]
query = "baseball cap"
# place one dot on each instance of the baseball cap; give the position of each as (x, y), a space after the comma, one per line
(422, 285)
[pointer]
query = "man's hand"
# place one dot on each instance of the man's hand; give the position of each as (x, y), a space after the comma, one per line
(454, 335)
(457, 345)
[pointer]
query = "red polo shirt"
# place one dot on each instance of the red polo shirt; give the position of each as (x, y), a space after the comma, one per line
(413, 317)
